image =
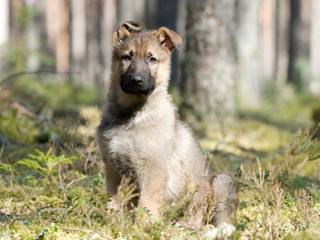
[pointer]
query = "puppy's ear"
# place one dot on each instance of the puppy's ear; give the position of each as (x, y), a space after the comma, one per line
(126, 30)
(169, 39)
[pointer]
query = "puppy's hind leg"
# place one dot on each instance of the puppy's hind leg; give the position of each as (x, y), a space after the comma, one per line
(226, 199)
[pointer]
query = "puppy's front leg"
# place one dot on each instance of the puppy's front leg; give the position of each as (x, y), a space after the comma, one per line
(113, 182)
(153, 189)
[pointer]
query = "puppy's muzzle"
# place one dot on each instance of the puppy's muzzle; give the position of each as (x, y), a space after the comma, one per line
(137, 84)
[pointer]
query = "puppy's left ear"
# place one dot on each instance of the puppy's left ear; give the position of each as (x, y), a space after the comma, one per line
(169, 39)
(126, 30)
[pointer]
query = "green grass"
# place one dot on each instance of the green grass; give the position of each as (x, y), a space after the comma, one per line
(53, 183)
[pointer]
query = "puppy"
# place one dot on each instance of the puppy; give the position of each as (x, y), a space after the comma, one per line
(140, 134)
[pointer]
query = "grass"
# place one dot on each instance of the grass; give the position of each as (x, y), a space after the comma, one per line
(53, 183)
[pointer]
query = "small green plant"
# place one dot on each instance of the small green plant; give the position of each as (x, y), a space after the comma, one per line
(303, 148)
(46, 164)
(98, 180)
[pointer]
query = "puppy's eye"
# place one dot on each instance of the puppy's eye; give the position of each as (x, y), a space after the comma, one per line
(153, 60)
(127, 58)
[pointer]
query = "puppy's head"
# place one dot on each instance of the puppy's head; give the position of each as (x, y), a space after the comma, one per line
(142, 58)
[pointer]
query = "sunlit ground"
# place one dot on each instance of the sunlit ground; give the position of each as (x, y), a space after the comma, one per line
(52, 179)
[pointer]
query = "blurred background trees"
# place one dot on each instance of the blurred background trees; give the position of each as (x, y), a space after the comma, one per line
(254, 63)
(235, 51)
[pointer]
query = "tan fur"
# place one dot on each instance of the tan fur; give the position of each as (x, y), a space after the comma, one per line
(141, 134)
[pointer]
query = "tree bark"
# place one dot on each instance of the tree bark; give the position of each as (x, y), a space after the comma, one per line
(295, 23)
(78, 37)
(208, 85)
(34, 34)
(314, 85)
(52, 14)
(128, 10)
(299, 46)
(248, 54)
(268, 39)
(169, 8)
(151, 14)
(4, 21)
(282, 40)
(5, 33)
(94, 56)
(108, 25)
(62, 42)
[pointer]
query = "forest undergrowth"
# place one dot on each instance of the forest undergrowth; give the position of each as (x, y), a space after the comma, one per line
(52, 180)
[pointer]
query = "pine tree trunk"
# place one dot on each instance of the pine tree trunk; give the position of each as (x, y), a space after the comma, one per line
(268, 40)
(52, 28)
(314, 85)
(4, 21)
(128, 10)
(169, 8)
(5, 33)
(108, 25)
(78, 37)
(282, 40)
(94, 66)
(33, 34)
(208, 85)
(62, 44)
(299, 46)
(248, 54)
(295, 23)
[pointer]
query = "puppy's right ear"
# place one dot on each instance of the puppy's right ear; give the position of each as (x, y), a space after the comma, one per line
(125, 30)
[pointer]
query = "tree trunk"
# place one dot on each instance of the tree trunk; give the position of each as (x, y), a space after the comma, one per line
(5, 33)
(78, 37)
(207, 85)
(295, 23)
(52, 28)
(94, 65)
(314, 85)
(248, 54)
(108, 25)
(169, 8)
(282, 39)
(151, 14)
(62, 44)
(33, 34)
(129, 10)
(268, 39)
(181, 29)
(4, 21)
(299, 46)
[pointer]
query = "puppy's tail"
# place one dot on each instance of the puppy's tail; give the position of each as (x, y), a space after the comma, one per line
(226, 199)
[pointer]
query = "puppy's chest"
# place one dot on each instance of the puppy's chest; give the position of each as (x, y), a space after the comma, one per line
(137, 147)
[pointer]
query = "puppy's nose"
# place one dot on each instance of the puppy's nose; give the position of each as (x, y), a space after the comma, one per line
(138, 79)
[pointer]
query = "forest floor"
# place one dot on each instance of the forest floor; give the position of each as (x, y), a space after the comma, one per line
(52, 181)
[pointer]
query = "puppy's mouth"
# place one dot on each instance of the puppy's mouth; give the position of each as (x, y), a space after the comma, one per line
(137, 84)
